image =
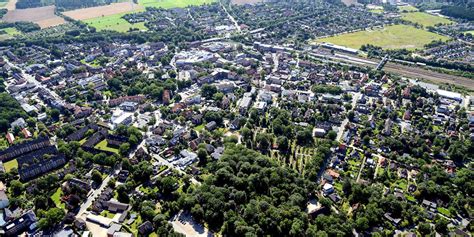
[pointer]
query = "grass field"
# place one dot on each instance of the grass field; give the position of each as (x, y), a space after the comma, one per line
(116, 23)
(390, 37)
(172, 3)
(10, 165)
(10, 32)
(407, 8)
(104, 146)
(113, 22)
(425, 19)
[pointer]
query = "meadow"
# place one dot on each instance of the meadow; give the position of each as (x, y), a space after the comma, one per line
(389, 37)
(109, 20)
(424, 19)
(376, 11)
(8, 33)
(113, 22)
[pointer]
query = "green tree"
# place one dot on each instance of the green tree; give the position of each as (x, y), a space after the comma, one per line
(424, 229)
(208, 91)
(332, 135)
(96, 176)
(283, 143)
(16, 187)
(51, 218)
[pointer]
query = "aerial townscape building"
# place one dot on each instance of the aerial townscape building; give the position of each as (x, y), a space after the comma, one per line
(236, 118)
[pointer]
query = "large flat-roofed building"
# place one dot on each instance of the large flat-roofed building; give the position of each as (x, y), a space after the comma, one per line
(450, 95)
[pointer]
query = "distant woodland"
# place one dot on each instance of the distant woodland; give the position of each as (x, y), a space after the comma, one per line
(62, 4)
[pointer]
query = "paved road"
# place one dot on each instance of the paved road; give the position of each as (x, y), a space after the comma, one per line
(231, 18)
(355, 97)
(93, 196)
(167, 163)
(31, 79)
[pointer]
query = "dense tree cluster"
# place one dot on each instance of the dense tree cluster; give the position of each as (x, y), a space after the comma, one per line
(459, 12)
(62, 4)
(10, 110)
(248, 193)
(335, 90)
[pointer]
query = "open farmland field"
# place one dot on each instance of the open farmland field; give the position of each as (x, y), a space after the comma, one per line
(425, 19)
(174, 3)
(8, 4)
(43, 16)
(390, 37)
(113, 22)
(108, 17)
(102, 11)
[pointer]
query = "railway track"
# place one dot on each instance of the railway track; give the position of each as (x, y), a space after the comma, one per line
(414, 72)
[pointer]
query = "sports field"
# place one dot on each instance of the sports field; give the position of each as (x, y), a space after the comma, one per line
(425, 19)
(390, 37)
(172, 3)
(114, 22)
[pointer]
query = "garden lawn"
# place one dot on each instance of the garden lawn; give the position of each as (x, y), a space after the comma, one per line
(444, 211)
(114, 22)
(199, 128)
(390, 37)
(56, 197)
(173, 3)
(425, 19)
(10, 165)
(103, 145)
(107, 214)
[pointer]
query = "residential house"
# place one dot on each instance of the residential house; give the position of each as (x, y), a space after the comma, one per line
(20, 122)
